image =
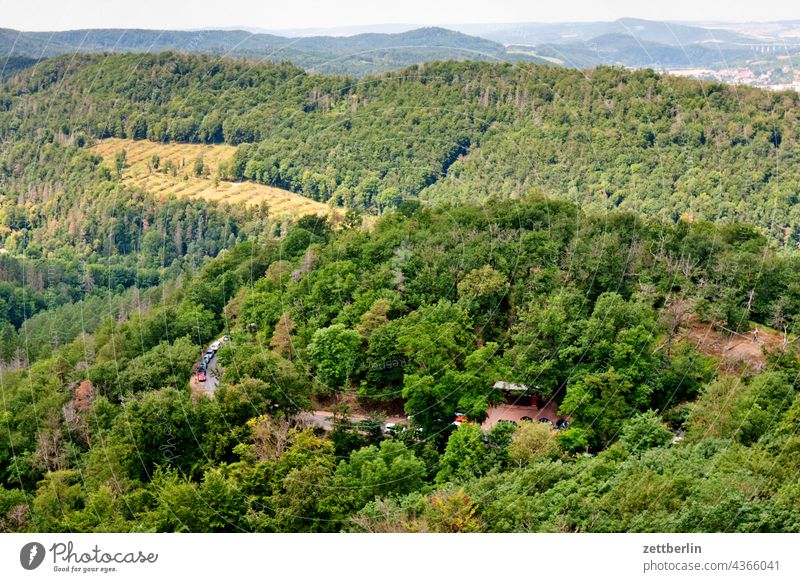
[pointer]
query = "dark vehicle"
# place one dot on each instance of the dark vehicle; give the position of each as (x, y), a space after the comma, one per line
(528, 418)
(545, 420)
(562, 424)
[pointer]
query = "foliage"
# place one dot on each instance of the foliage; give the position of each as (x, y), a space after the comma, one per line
(421, 310)
(333, 351)
(533, 441)
(606, 138)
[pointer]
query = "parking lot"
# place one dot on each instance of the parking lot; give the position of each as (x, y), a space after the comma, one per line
(516, 413)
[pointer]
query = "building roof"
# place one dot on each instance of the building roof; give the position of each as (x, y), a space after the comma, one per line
(501, 385)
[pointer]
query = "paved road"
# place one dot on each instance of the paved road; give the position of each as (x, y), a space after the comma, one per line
(324, 419)
(213, 372)
(321, 418)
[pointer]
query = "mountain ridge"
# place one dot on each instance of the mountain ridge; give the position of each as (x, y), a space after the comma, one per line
(358, 54)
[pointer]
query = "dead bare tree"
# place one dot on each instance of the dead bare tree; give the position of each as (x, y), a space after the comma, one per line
(270, 437)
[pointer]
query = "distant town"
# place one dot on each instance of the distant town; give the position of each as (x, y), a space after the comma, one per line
(782, 79)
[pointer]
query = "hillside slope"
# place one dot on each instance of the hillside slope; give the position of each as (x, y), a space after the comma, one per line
(424, 312)
(190, 171)
(443, 132)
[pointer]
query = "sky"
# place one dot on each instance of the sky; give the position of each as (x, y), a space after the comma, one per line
(269, 14)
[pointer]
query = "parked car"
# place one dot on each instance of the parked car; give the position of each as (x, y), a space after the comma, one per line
(201, 376)
(562, 424)
(216, 345)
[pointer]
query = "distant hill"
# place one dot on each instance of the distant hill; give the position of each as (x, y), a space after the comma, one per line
(11, 65)
(569, 32)
(631, 51)
(629, 42)
(358, 54)
(675, 34)
(634, 42)
(432, 37)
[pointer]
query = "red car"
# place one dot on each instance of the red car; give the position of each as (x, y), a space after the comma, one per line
(201, 376)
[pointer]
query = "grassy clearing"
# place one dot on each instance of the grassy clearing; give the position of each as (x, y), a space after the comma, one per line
(520, 51)
(176, 175)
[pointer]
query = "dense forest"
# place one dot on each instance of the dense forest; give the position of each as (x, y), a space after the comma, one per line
(426, 310)
(604, 138)
(69, 232)
(561, 230)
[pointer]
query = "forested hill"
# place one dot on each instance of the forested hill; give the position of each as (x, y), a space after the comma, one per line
(112, 296)
(358, 54)
(605, 138)
(425, 312)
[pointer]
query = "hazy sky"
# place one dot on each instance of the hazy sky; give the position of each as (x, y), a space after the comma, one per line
(70, 14)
